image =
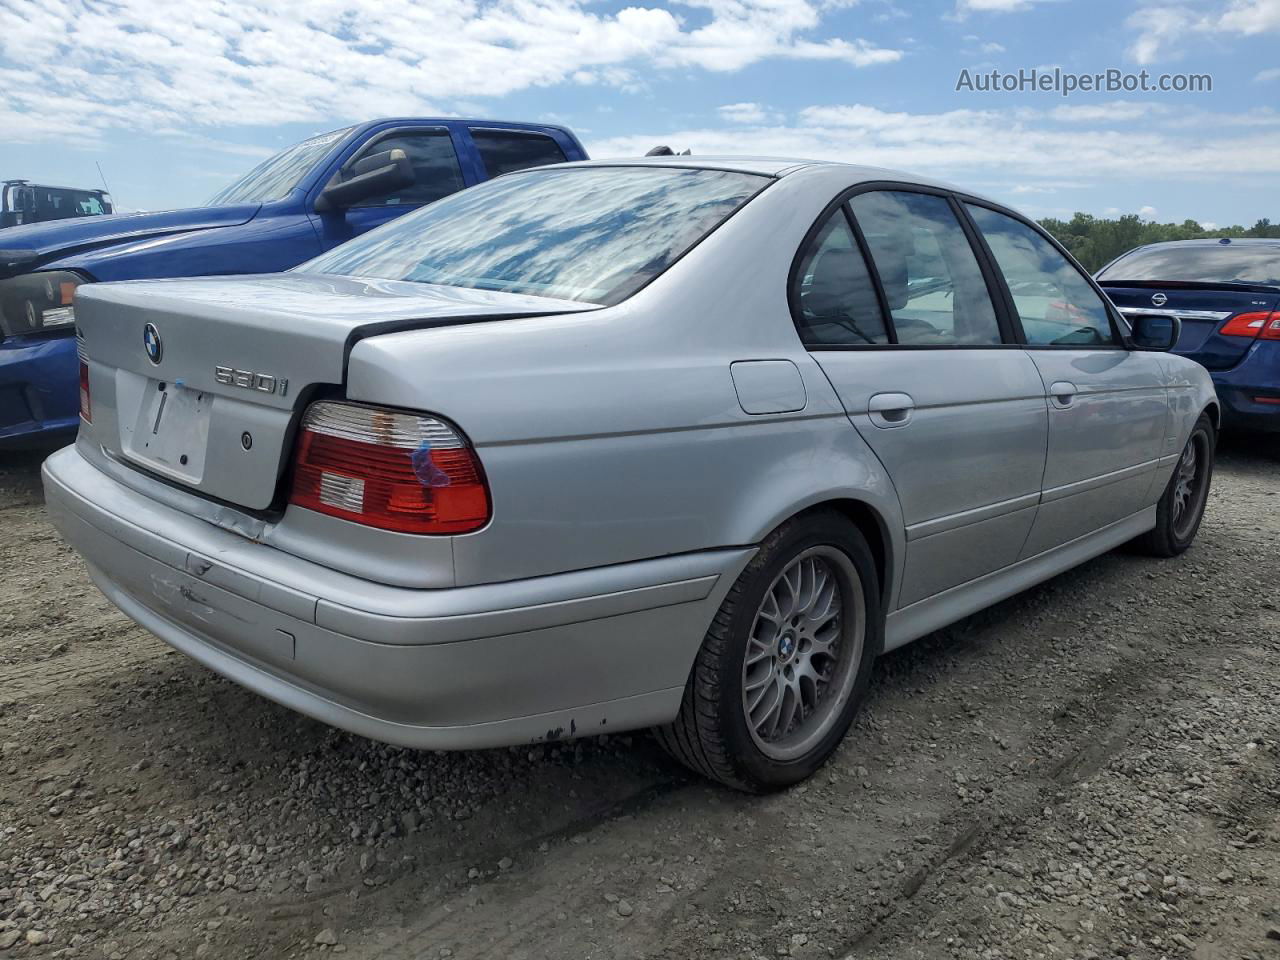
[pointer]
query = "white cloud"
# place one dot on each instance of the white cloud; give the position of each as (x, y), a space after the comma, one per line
(175, 65)
(1266, 76)
(966, 7)
(1115, 111)
(1147, 212)
(1016, 146)
(752, 113)
(1162, 26)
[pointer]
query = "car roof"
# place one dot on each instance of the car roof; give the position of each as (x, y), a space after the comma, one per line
(1211, 242)
(774, 167)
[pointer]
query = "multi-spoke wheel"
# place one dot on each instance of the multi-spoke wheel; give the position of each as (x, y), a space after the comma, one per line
(783, 668)
(1181, 507)
(800, 652)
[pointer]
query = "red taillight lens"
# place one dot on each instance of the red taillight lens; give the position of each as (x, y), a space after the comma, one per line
(384, 468)
(1249, 324)
(86, 408)
(1271, 329)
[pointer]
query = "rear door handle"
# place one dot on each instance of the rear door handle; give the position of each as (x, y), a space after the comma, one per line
(1063, 393)
(889, 410)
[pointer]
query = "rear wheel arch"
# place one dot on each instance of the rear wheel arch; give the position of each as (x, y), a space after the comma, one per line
(873, 527)
(875, 531)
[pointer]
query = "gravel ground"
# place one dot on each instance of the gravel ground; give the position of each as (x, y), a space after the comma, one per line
(1089, 770)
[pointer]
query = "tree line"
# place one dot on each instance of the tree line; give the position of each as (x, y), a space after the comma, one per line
(1096, 241)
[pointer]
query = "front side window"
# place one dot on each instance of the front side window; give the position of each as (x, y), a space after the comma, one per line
(276, 176)
(506, 151)
(593, 234)
(834, 297)
(1056, 304)
(436, 172)
(931, 279)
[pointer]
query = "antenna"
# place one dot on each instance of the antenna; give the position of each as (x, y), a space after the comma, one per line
(101, 177)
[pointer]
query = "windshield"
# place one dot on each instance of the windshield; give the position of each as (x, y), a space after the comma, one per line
(1200, 263)
(592, 234)
(273, 178)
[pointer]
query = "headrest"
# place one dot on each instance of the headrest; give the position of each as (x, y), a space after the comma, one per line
(838, 285)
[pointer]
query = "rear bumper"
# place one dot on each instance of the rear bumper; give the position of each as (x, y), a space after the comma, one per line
(39, 388)
(1257, 375)
(498, 664)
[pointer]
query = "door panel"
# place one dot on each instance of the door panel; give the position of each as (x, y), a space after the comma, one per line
(1104, 440)
(967, 463)
(1107, 406)
(957, 419)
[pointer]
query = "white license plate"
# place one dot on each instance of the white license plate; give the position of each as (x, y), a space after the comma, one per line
(172, 431)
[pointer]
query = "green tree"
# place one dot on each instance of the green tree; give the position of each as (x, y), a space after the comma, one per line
(1096, 241)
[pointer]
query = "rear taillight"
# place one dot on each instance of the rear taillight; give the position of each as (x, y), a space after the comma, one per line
(385, 468)
(86, 408)
(1259, 324)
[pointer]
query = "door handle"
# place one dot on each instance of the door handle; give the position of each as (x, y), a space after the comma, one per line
(889, 410)
(1063, 393)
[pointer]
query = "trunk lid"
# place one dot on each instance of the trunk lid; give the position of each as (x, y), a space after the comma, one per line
(201, 381)
(1204, 310)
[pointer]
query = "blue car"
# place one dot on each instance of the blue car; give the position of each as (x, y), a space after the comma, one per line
(290, 208)
(1226, 292)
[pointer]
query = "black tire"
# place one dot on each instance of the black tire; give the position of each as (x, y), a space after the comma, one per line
(711, 734)
(1174, 531)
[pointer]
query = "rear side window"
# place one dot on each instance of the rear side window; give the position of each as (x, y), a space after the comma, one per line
(435, 167)
(505, 151)
(1056, 304)
(933, 286)
(835, 301)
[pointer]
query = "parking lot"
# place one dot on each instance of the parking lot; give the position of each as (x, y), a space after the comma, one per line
(1091, 769)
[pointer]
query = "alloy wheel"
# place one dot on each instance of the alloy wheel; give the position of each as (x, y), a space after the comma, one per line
(803, 652)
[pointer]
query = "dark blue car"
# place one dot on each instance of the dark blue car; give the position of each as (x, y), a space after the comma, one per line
(290, 208)
(1227, 294)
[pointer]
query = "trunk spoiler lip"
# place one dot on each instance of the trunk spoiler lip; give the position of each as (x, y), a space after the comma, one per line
(404, 325)
(1222, 286)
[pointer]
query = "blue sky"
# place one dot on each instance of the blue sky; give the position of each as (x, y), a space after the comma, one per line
(177, 97)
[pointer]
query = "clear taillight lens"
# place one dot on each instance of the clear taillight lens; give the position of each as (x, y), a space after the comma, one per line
(408, 472)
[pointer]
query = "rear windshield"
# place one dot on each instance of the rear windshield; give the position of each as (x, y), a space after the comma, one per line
(592, 234)
(1200, 263)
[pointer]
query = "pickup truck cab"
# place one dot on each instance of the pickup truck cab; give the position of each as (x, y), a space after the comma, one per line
(22, 201)
(293, 206)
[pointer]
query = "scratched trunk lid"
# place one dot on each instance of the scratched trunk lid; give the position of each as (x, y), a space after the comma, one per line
(202, 381)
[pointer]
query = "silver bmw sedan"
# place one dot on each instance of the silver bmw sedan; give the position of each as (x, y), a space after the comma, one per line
(681, 443)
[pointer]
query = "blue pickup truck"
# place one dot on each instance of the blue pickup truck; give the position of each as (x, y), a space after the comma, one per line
(291, 207)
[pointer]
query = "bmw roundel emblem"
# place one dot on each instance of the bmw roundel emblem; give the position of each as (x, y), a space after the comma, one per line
(1159, 299)
(151, 340)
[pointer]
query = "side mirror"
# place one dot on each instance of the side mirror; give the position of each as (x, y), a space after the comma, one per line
(374, 174)
(1155, 331)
